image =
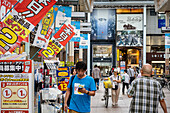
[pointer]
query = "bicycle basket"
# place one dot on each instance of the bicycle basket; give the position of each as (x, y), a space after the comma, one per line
(108, 83)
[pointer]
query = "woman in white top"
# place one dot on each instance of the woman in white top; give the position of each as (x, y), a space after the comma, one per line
(115, 78)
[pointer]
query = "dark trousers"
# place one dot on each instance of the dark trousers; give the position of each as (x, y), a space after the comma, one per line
(131, 79)
(97, 82)
(127, 86)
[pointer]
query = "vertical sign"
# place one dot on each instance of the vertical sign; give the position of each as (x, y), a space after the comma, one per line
(167, 40)
(16, 85)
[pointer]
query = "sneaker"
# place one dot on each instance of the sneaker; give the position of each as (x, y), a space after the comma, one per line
(113, 104)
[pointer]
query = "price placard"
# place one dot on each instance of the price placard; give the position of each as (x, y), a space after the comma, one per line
(15, 95)
(63, 83)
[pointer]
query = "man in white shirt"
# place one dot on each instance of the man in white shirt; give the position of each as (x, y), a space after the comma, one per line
(126, 81)
(131, 74)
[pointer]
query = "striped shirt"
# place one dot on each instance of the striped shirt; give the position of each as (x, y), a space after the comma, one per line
(146, 94)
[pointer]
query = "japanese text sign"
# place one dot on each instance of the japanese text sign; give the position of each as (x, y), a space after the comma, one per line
(63, 72)
(45, 28)
(63, 83)
(16, 86)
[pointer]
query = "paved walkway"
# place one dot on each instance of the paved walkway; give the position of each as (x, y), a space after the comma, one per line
(98, 106)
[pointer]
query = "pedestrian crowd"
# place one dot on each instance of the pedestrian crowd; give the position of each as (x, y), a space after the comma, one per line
(146, 93)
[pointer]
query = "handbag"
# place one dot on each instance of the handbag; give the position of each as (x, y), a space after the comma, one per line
(69, 98)
(108, 83)
(123, 79)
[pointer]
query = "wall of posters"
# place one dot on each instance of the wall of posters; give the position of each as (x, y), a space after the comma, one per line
(130, 38)
(16, 84)
(103, 24)
(129, 22)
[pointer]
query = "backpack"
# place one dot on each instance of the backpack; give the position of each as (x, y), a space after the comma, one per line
(69, 98)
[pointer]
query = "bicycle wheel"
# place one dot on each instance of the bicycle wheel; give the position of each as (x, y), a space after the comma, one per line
(168, 85)
(106, 98)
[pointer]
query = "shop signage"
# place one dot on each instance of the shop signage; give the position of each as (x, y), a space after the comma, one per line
(102, 59)
(63, 83)
(20, 22)
(63, 76)
(167, 40)
(63, 72)
(16, 86)
(129, 22)
(84, 41)
(45, 28)
(76, 37)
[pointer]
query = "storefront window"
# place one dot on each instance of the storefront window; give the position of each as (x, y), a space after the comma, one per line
(102, 51)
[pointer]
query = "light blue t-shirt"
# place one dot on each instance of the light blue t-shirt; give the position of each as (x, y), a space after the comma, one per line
(80, 102)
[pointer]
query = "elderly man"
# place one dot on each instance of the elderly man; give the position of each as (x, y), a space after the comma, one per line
(146, 93)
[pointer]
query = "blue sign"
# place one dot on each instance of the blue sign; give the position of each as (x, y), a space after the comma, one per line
(63, 72)
(161, 23)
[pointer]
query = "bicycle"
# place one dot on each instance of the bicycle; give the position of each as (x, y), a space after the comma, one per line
(107, 85)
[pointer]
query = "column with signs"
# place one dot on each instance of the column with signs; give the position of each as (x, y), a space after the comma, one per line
(16, 86)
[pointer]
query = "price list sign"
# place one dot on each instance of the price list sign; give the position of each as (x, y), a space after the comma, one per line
(16, 86)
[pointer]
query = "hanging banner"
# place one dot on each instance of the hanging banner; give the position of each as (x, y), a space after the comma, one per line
(45, 28)
(167, 40)
(26, 15)
(58, 41)
(16, 83)
(5, 6)
(63, 14)
(84, 41)
(76, 37)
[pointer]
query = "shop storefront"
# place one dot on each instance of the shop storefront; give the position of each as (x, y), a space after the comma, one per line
(129, 40)
(103, 45)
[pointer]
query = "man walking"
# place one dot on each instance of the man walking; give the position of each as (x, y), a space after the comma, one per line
(83, 87)
(131, 73)
(96, 75)
(126, 81)
(146, 93)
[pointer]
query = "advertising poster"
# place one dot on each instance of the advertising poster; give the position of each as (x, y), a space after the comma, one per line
(129, 22)
(103, 23)
(129, 38)
(167, 40)
(83, 41)
(76, 37)
(45, 28)
(58, 41)
(63, 14)
(122, 66)
(63, 76)
(16, 84)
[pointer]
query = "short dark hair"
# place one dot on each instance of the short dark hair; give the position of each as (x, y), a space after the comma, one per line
(81, 65)
(125, 70)
(72, 70)
(95, 65)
